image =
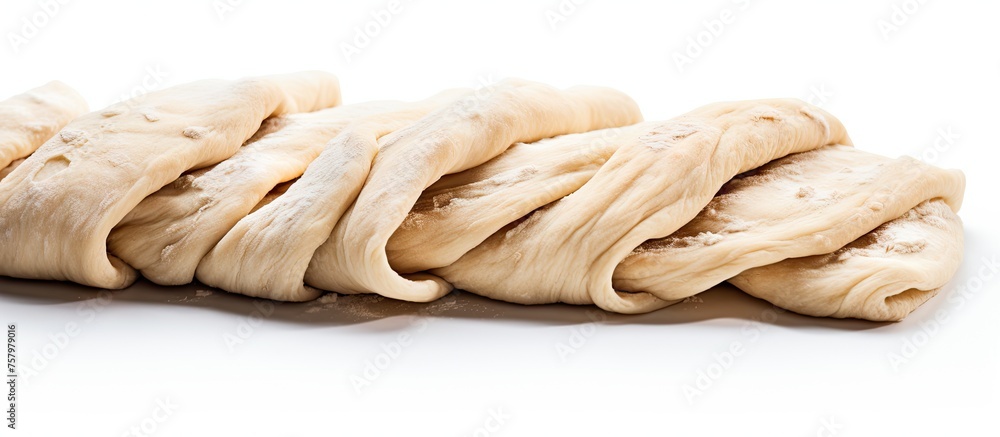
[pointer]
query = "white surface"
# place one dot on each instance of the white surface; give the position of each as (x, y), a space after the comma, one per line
(292, 375)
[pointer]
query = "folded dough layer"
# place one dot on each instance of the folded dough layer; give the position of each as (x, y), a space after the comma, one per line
(267, 252)
(27, 120)
(60, 205)
(453, 139)
(882, 276)
(806, 204)
(663, 174)
(461, 210)
(169, 232)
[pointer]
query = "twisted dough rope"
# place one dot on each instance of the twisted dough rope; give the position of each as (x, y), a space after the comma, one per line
(453, 218)
(166, 236)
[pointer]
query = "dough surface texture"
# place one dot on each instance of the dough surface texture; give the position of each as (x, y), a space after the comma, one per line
(27, 120)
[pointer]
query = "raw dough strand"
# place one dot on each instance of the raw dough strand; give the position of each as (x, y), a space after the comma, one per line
(59, 206)
(882, 276)
(453, 139)
(659, 179)
(267, 252)
(169, 232)
(806, 204)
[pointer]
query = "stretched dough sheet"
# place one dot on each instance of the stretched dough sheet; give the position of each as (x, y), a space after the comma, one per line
(27, 120)
(59, 206)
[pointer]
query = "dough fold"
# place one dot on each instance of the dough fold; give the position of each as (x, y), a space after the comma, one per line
(660, 177)
(452, 139)
(168, 233)
(59, 206)
(30, 119)
(267, 252)
(882, 276)
(811, 203)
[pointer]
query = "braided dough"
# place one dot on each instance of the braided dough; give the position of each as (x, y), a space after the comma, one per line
(657, 181)
(267, 252)
(519, 192)
(450, 140)
(59, 206)
(168, 233)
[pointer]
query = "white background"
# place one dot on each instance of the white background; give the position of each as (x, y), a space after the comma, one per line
(896, 80)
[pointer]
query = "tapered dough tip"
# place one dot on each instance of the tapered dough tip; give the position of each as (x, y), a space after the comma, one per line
(424, 287)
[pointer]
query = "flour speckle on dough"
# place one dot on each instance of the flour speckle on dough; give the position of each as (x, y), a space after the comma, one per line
(666, 136)
(112, 112)
(195, 132)
(69, 136)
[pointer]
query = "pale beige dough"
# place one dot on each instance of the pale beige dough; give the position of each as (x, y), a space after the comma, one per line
(806, 204)
(461, 210)
(882, 276)
(660, 177)
(59, 206)
(168, 233)
(453, 139)
(267, 252)
(27, 120)
(518, 192)
(10, 168)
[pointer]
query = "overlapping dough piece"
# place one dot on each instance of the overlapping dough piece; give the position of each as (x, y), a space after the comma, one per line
(882, 276)
(453, 139)
(167, 234)
(663, 174)
(59, 206)
(461, 210)
(806, 204)
(267, 252)
(27, 120)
